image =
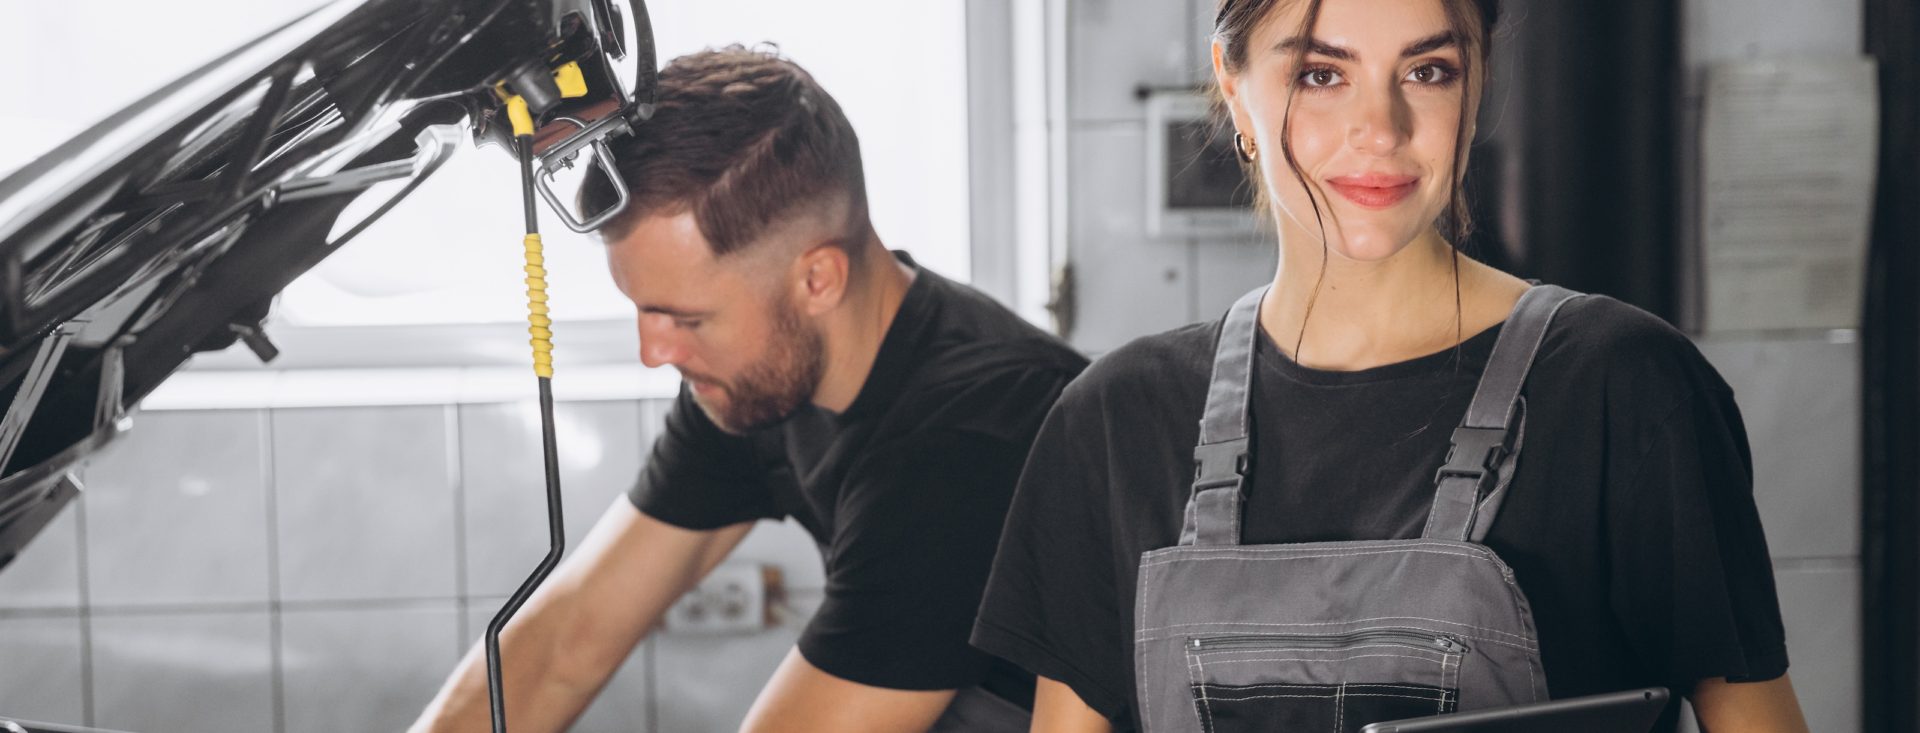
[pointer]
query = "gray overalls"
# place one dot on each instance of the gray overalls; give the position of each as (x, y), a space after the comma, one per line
(1330, 636)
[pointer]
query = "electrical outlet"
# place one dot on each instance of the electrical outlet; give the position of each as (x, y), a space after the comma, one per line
(730, 600)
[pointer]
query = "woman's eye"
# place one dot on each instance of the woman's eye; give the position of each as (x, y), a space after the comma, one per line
(686, 323)
(1430, 74)
(1319, 77)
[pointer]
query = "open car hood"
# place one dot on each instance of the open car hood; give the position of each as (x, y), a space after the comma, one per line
(167, 229)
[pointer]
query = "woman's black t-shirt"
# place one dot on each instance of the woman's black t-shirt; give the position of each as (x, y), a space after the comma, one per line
(1630, 522)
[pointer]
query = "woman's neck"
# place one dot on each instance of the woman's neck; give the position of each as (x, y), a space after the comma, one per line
(1359, 315)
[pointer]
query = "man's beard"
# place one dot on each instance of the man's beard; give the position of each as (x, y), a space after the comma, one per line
(770, 390)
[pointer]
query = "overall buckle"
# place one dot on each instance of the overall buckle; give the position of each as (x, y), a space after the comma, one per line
(1476, 455)
(1219, 464)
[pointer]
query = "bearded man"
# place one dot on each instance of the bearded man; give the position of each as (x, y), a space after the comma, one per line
(886, 409)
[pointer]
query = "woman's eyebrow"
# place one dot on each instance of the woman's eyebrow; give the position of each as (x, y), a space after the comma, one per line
(1429, 44)
(1322, 48)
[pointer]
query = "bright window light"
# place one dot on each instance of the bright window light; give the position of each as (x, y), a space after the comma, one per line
(451, 253)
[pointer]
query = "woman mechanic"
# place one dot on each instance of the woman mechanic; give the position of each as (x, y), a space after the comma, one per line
(1627, 521)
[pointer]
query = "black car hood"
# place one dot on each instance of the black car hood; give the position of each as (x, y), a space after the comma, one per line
(167, 229)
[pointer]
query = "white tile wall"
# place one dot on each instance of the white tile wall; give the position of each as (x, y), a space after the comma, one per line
(47, 572)
(503, 474)
(1720, 30)
(1821, 609)
(365, 503)
(365, 668)
(176, 512)
(1800, 400)
(41, 676)
(183, 672)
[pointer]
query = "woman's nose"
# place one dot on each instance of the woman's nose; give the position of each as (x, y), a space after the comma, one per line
(1381, 123)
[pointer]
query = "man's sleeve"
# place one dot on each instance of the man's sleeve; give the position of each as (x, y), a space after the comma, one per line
(917, 526)
(699, 477)
(1692, 581)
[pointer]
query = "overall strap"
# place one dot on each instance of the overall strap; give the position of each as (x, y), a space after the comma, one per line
(1220, 459)
(1483, 446)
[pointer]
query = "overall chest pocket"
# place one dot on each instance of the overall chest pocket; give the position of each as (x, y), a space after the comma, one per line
(1338, 683)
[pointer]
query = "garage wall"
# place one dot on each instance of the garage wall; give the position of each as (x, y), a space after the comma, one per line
(321, 569)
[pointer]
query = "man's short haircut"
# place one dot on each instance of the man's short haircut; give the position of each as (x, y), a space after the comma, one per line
(744, 139)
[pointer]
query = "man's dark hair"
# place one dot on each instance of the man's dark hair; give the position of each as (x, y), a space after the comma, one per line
(743, 138)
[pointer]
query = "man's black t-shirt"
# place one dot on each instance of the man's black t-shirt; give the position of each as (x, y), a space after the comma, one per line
(1630, 522)
(905, 491)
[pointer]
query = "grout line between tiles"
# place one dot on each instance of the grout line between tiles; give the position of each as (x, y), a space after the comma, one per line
(456, 477)
(86, 614)
(275, 638)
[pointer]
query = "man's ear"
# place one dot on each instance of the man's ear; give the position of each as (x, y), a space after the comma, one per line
(821, 277)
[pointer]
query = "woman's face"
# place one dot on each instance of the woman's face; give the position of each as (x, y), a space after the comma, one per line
(1376, 110)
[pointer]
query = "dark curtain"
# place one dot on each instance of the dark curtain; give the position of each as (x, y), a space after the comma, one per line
(1890, 340)
(1574, 178)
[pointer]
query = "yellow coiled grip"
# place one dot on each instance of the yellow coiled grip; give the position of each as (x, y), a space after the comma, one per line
(537, 308)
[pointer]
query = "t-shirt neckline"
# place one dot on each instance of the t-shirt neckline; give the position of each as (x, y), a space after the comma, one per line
(1474, 351)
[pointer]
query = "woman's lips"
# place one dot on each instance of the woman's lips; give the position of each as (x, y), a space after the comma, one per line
(1374, 190)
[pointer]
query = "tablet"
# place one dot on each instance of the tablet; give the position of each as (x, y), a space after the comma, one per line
(1633, 711)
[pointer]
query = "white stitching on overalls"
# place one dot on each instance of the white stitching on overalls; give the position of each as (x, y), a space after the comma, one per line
(1421, 698)
(1369, 685)
(1311, 650)
(1321, 659)
(1149, 635)
(1255, 554)
(1140, 659)
(1321, 556)
(1340, 709)
(1200, 682)
(1279, 697)
(1522, 637)
(1314, 547)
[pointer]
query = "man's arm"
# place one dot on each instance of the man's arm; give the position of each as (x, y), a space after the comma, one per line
(575, 631)
(1759, 707)
(802, 698)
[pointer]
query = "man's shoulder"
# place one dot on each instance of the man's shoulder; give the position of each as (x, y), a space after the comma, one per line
(975, 338)
(980, 365)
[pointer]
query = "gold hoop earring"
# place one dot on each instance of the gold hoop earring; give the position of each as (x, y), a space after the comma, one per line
(1245, 148)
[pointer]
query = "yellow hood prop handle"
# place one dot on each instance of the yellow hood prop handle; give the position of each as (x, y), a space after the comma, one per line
(540, 325)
